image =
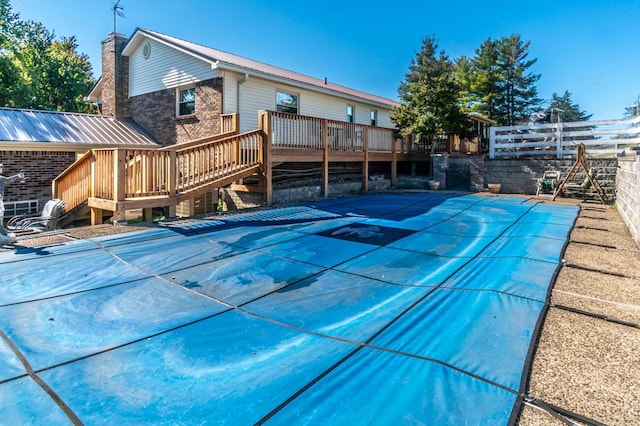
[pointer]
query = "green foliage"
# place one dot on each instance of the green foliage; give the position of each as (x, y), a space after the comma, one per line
(37, 71)
(497, 83)
(569, 111)
(429, 95)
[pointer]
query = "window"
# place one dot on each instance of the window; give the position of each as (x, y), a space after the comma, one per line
(374, 117)
(187, 101)
(286, 102)
(351, 113)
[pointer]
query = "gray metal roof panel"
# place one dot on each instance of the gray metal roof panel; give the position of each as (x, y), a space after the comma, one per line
(17, 125)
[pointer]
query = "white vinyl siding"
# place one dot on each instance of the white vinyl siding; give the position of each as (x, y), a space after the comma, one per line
(257, 94)
(165, 68)
(230, 90)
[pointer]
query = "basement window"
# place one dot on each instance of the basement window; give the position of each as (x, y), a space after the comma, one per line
(187, 101)
(286, 102)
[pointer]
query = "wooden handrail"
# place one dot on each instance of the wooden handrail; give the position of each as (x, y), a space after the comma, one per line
(121, 174)
(73, 185)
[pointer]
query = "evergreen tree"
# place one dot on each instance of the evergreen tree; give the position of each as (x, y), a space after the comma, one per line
(478, 78)
(566, 109)
(497, 82)
(517, 97)
(429, 95)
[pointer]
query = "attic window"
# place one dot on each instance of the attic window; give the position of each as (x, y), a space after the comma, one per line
(146, 50)
(187, 101)
(286, 102)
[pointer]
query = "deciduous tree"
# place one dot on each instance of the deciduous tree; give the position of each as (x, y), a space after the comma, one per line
(39, 71)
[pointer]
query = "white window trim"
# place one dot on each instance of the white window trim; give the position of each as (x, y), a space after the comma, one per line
(353, 113)
(290, 93)
(180, 89)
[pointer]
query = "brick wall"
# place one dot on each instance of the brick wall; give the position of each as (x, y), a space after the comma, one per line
(115, 76)
(40, 168)
(157, 113)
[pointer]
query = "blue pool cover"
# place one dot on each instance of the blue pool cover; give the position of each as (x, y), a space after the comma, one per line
(418, 308)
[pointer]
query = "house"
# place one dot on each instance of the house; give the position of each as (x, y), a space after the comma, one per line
(229, 123)
(44, 143)
(180, 91)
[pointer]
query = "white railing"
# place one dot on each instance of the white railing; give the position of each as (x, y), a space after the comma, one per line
(604, 138)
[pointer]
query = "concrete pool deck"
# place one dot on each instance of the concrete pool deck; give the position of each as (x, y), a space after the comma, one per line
(582, 364)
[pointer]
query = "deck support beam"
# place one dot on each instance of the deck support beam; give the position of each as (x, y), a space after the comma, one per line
(96, 216)
(365, 162)
(394, 163)
(325, 159)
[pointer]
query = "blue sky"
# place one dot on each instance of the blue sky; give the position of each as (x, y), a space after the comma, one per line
(589, 47)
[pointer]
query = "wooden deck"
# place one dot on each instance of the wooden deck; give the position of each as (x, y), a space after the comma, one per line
(118, 180)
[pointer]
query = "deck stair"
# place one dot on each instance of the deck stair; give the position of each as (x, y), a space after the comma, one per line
(118, 179)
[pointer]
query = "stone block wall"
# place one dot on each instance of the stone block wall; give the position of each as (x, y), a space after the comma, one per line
(40, 169)
(519, 176)
(156, 112)
(628, 191)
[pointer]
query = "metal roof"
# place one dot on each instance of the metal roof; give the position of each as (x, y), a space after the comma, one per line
(55, 128)
(224, 60)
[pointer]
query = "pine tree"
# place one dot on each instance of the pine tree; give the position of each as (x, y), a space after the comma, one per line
(566, 109)
(518, 93)
(497, 81)
(429, 96)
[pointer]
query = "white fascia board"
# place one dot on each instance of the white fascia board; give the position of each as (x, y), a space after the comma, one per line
(219, 65)
(138, 38)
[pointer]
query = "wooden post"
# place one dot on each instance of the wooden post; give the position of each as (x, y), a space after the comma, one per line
(325, 158)
(172, 179)
(147, 215)
(119, 184)
(96, 216)
(365, 163)
(263, 121)
(394, 162)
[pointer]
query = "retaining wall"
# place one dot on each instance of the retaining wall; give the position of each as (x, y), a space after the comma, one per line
(628, 193)
(520, 176)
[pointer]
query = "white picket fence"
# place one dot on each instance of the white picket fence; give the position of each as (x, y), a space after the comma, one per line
(604, 138)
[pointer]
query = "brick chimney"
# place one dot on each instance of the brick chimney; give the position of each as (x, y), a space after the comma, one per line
(115, 76)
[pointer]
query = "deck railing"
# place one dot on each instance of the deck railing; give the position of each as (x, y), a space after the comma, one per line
(121, 174)
(604, 138)
(202, 164)
(303, 132)
(74, 184)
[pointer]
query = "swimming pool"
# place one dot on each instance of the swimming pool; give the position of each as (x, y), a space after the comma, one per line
(416, 308)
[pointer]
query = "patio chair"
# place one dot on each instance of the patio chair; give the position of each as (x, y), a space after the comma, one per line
(548, 183)
(47, 220)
